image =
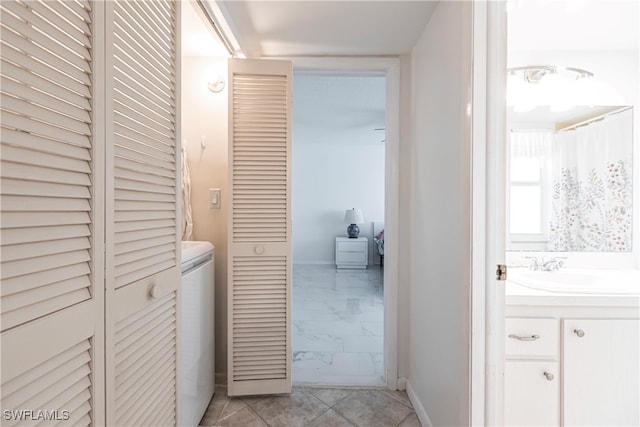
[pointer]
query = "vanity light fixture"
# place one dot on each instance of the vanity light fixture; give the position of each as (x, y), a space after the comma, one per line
(535, 73)
(536, 85)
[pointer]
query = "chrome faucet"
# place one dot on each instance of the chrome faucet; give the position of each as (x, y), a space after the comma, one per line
(553, 264)
(534, 265)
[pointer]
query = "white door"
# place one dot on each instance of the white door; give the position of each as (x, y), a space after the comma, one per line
(489, 171)
(142, 224)
(51, 244)
(259, 271)
(601, 372)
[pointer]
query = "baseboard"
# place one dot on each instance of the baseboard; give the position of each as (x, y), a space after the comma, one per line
(417, 405)
(221, 379)
(314, 263)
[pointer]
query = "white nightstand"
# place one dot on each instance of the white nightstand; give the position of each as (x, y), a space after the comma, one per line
(352, 253)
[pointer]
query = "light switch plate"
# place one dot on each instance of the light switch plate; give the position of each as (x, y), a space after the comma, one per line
(214, 198)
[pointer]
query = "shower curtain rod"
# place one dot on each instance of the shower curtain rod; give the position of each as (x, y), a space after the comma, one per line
(593, 119)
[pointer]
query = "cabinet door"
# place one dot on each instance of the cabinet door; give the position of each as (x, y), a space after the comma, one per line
(530, 398)
(142, 224)
(601, 375)
(51, 296)
(259, 248)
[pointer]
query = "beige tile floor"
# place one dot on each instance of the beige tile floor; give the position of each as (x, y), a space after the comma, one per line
(314, 407)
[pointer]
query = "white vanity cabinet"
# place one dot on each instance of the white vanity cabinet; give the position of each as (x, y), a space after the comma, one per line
(591, 347)
(532, 375)
(601, 372)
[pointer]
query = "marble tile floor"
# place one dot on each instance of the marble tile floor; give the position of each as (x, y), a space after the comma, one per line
(313, 407)
(338, 319)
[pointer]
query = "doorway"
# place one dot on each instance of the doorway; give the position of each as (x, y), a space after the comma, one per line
(390, 69)
(338, 179)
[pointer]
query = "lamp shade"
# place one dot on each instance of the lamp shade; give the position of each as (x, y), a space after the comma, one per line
(353, 216)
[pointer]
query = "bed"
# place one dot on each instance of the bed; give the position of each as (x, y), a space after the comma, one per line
(378, 240)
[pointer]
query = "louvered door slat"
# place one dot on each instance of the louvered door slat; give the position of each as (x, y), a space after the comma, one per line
(44, 145)
(146, 100)
(145, 360)
(161, 33)
(16, 89)
(259, 259)
(66, 34)
(132, 46)
(36, 67)
(142, 249)
(16, 121)
(31, 281)
(68, 12)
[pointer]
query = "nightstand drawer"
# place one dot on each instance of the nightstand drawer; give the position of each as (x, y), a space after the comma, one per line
(530, 337)
(352, 258)
(346, 247)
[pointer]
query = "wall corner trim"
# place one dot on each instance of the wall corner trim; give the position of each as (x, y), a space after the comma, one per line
(417, 405)
(402, 383)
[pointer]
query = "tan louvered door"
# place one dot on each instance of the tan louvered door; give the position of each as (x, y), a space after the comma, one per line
(51, 296)
(143, 256)
(259, 272)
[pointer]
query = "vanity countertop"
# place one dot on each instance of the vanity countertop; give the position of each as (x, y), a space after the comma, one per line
(518, 295)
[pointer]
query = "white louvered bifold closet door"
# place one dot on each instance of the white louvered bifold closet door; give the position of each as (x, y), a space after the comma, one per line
(259, 271)
(51, 299)
(143, 255)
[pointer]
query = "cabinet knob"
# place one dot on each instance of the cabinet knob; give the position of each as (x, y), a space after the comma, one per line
(579, 332)
(259, 249)
(549, 376)
(154, 291)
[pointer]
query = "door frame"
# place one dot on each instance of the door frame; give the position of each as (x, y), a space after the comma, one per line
(390, 68)
(488, 211)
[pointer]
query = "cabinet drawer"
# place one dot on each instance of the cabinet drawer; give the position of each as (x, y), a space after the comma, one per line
(529, 337)
(359, 247)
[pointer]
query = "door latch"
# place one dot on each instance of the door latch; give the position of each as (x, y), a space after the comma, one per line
(501, 272)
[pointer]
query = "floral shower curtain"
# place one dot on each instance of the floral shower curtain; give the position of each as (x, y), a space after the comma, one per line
(591, 207)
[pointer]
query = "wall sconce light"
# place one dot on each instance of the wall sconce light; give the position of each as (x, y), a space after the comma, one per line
(217, 85)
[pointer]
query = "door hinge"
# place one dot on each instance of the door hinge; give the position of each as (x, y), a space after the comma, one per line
(501, 272)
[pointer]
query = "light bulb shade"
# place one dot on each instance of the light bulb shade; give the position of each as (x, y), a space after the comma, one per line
(353, 216)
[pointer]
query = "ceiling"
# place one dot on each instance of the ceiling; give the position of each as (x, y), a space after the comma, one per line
(333, 109)
(363, 28)
(574, 25)
(326, 28)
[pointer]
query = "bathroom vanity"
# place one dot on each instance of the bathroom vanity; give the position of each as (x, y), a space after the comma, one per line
(571, 358)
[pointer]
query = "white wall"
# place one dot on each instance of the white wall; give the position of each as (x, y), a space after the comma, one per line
(405, 208)
(440, 195)
(204, 114)
(338, 161)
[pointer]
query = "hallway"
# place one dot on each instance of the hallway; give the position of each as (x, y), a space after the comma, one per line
(329, 407)
(338, 323)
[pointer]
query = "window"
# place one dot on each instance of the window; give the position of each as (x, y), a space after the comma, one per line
(527, 198)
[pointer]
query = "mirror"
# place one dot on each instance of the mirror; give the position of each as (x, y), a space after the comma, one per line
(569, 179)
